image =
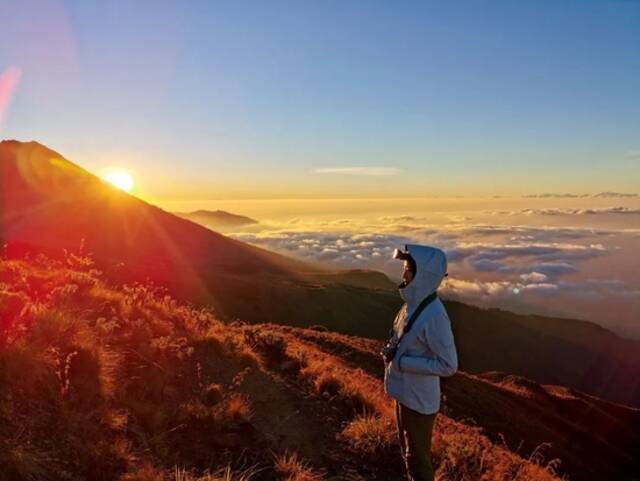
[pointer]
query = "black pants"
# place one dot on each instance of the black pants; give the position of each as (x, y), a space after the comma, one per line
(415, 431)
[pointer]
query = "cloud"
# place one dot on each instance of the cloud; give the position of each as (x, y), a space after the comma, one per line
(337, 243)
(535, 285)
(533, 233)
(492, 290)
(524, 268)
(549, 195)
(534, 277)
(556, 211)
(400, 218)
(593, 211)
(373, 171)
(615, 195)
(368, 250)
(554, 269)
(543, 251)
(488, 265)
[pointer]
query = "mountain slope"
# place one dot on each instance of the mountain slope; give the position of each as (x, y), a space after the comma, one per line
(594, 439)
(49, 204)
(568, 352)
(104, 383)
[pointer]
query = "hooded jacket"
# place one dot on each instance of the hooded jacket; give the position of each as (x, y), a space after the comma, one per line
(427, 352)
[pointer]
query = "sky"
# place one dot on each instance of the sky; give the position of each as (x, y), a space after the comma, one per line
(333, 99)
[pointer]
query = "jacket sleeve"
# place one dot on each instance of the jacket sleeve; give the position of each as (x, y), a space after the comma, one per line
(439, 338)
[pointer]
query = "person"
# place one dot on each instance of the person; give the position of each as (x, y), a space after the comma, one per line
(419, 352)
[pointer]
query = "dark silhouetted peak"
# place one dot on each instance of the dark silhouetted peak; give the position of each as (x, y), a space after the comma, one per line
(220, 218)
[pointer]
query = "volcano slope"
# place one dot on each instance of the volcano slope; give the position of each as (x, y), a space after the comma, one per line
(100, 382)
(48, 204)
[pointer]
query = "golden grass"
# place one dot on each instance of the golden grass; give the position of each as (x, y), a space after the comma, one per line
(226, 474)
(148, 472)
(113, 375)
(370, 434)
(461, 452)
(292, 468)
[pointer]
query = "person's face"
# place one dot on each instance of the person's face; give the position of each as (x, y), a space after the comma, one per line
(407, 275)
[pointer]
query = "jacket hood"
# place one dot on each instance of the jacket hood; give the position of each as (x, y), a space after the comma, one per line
(431, 268)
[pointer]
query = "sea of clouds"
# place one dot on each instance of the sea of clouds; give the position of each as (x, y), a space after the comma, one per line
(528, 268)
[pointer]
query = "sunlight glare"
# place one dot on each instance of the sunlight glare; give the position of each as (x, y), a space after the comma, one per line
(121, 179)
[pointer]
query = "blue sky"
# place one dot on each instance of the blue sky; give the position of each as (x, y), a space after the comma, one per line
(250, 99)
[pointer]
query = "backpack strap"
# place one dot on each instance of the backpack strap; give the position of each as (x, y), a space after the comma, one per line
(421, 307)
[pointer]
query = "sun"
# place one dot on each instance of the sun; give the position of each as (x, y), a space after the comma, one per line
(121, 179)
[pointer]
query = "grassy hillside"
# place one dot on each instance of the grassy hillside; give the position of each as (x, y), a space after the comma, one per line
(102, 383)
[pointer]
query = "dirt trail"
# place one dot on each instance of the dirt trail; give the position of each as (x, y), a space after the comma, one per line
(282, 417)
(315, 421)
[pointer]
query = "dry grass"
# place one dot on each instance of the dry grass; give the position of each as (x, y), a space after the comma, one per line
(292, 468)
(461, 452)
(226, 474)
(465, 455)
(332, 378)
(112, 375)
(97, 380)
(238, 408)
(148, 472)
(370, 434)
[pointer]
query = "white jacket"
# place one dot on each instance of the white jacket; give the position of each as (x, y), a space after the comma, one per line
(427, 351)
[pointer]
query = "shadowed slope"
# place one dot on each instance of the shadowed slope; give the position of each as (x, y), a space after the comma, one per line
(569, 352)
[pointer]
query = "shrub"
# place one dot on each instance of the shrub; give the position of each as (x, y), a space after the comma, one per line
(370, 434)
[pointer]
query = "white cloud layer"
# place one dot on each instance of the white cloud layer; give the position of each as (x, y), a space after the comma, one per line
(600, 195)
(566, 270)
(374, 171)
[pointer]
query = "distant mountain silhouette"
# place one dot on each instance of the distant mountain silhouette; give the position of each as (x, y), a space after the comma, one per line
(217, 219)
